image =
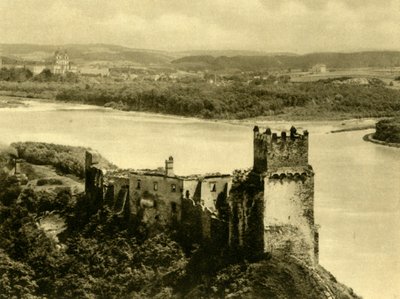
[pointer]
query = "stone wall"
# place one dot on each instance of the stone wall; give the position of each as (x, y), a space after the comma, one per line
(155, 198)
(117, 193)
(260, 145)
(269, 209)
(192, 189)
(272, 151)
(290, 240)
(286, 151)
(199, 225)
(289, 204)
(246, 229)
(94, 181)
(212, 187)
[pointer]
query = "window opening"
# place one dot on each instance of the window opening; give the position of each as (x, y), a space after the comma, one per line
(213, 187)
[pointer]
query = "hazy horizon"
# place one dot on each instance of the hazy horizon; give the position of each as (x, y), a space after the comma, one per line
(292, 26)
(62, 46)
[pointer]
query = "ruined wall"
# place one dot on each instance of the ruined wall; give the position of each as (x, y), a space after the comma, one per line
(191, 228)
(212, 187)
(269, 209)
(192, 189)
(117, 193)
(156, 199)
(90, 160)
(289, 212)
(246, 229)
(94, 181)
(260, 141)
(94, 187)
(199, 225)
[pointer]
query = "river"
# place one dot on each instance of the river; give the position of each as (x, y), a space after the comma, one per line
(357, 183)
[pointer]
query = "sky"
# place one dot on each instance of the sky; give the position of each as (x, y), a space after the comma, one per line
(300, 26)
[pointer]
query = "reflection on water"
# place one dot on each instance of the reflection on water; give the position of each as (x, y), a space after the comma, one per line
(357, 184)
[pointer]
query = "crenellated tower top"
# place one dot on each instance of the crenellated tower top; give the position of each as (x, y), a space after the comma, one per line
(273, 151)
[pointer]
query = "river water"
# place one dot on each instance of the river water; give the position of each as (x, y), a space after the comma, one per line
(357, 183)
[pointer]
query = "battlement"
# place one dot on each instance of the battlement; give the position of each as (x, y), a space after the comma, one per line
(292, 135)
(273, 150)
(301, 172)
(269, 209)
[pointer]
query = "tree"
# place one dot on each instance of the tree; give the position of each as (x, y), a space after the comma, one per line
(16, 278)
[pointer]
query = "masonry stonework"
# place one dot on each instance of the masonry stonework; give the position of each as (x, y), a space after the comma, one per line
(281, 162)
(269, 209)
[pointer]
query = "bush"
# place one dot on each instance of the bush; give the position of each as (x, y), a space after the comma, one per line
(66, 159)
(388, 130)
(42, 182)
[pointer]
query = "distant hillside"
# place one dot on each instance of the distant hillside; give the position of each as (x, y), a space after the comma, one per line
(85, 53)
(230, 53)
(332, 60)
(200, 59)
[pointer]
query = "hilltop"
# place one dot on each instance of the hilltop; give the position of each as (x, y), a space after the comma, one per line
(285, 61)
(50, 247)
(80, 53)
(201, 59)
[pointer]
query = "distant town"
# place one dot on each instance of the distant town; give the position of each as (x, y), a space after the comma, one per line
(206, 84)
(61, 64)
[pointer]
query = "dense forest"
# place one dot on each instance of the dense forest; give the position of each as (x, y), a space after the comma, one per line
(388, 130)
(237, 101)
(283, 61)
(24, 74)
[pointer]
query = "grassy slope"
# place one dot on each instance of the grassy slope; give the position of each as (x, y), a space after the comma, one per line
(66, 159)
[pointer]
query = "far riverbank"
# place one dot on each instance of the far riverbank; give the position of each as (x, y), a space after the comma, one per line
(370, 138)
(275, 122)
(313, 101)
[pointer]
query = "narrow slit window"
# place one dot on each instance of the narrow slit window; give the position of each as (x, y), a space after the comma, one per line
(173, 188)
(173, 207)
(213, 187)
(138, 186)
(155, 186)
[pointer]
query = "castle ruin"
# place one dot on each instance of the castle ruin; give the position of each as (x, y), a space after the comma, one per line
(273, 212)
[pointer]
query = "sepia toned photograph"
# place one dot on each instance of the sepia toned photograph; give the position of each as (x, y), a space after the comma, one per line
(188, 149)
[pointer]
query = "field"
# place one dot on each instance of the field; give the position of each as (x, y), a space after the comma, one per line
(387, 75)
